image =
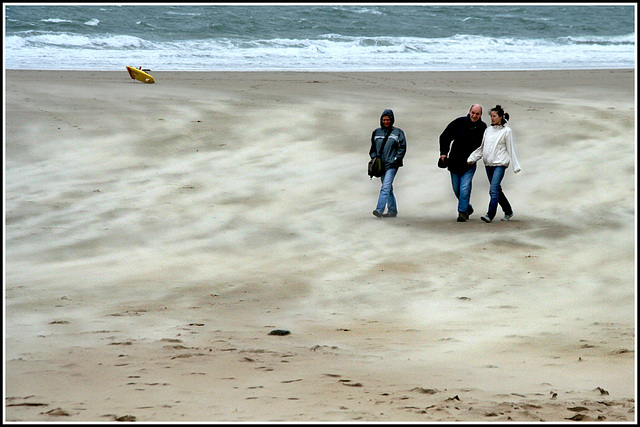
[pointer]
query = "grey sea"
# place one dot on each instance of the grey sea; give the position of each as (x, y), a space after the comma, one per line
(320, 37)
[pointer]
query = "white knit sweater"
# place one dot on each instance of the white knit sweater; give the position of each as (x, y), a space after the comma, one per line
(497, 148)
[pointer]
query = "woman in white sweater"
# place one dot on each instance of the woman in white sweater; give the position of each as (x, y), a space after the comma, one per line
(497, 152)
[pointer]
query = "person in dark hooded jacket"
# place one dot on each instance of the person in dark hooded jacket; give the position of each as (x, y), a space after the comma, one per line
(392, 158)
(460, 138)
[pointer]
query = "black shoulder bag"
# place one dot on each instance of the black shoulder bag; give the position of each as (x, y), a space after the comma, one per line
(375, 165)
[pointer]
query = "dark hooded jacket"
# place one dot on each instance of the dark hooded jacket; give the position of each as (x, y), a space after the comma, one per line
(460, 138)
(396, 146)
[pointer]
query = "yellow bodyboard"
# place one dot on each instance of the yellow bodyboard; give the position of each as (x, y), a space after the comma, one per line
(140, 75)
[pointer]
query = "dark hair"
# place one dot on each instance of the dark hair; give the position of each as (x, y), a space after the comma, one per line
(498, 109)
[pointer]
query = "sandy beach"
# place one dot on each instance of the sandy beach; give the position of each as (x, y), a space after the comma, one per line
(157, 234)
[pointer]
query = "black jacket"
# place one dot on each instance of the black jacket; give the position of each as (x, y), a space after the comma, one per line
(460, 138)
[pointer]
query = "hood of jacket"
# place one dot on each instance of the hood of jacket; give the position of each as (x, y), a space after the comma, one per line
(389, 113)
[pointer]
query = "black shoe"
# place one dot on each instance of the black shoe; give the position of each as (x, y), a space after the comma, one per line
(378, 214)
(469, 211)
(462, 217)
(389, 215)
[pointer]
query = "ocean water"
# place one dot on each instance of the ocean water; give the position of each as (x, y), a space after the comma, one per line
(317, 37)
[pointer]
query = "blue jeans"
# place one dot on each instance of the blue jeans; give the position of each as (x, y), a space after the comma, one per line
(462, 189)
(386, 198)
(495, 175)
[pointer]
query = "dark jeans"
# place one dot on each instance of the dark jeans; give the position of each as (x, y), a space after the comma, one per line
(495, 175)
(461, 184)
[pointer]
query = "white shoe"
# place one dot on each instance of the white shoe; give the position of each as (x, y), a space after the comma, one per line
(485, 218)
(507, 217)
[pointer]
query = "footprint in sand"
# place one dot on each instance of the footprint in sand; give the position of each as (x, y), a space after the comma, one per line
(58, 412)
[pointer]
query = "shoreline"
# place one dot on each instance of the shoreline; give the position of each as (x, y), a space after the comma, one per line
(544, 70)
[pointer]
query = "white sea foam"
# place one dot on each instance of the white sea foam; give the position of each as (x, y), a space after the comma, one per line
(55, 20)
(326, 52)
